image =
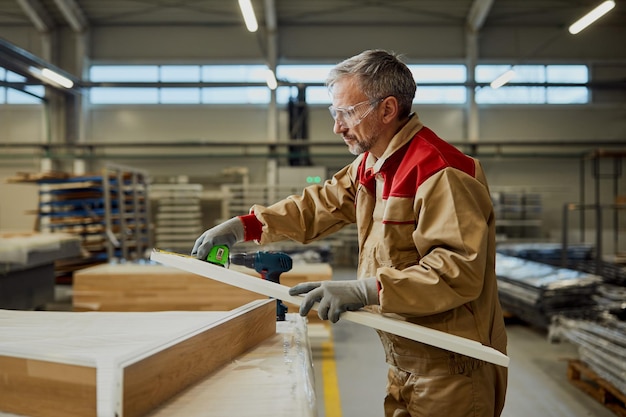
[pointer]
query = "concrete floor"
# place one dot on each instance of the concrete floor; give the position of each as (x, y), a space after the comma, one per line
(538, 384)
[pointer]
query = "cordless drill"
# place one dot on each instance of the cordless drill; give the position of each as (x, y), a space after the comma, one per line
(270, 265)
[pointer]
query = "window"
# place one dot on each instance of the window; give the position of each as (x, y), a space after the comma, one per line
(423, 74)
(439, 74)
(178, 74)
(556, 74)
(436, 84)
(13, 96)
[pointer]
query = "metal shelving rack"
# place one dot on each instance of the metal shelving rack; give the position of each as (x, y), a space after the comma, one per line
(178, 215)
(109, 212)
(126, 212)
(597, 206)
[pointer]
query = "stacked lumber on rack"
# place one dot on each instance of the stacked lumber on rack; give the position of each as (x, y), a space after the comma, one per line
(62, 364)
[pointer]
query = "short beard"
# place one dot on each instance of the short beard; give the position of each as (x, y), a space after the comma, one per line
(367, 143)
(360, 147)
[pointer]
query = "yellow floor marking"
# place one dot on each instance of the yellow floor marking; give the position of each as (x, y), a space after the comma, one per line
(332, 402)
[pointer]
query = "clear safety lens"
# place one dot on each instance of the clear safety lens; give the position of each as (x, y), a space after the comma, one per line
(351, 116)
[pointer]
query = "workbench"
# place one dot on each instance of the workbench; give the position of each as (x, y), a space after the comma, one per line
(156, 364)
(27, 272)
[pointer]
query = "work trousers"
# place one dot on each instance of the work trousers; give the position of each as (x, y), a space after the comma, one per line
(478, 391)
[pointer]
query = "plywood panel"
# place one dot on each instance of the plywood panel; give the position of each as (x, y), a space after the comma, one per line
(276, 378)
(156, 378)
(44, 388)
(136, 287)
(55, 364)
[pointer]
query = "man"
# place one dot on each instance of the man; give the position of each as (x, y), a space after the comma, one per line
(426, 232)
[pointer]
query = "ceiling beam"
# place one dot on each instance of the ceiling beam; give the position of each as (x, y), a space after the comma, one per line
(73, 14)
(24, 63)
(478, 13)
(37, 14)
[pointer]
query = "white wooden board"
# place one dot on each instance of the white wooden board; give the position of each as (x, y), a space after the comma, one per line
(401, 328)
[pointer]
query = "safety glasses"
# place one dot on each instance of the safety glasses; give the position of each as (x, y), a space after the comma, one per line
(351, 116)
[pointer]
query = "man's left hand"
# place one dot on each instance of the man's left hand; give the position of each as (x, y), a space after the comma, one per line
(335, 297)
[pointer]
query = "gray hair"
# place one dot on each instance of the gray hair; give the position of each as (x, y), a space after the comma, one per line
(379, 74)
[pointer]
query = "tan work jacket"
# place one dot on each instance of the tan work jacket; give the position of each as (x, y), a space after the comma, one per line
(426, 230)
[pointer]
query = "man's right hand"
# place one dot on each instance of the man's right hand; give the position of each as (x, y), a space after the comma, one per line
(227, 233)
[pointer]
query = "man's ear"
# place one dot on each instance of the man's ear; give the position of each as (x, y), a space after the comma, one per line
(390, 109)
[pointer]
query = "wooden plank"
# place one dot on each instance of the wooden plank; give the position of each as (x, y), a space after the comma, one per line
(44, 388)
(276, 378)
(141, 287)
(401, 328)
(63, 364)
(154, 379)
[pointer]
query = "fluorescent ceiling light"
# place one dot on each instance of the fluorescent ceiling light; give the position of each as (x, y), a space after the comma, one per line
(248, 15)
(503, 79)
(57, 78)
(51, 76)
(271, 79)
(591, 17)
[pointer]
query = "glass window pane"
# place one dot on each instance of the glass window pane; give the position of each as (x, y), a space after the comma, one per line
(121, 73)
(234, 73)
(439, 73)
(20, 97)
(511, 95)
(529, 74)
(235, 95)
(567, 95)
(183, 73)
(488, 73)
(567, 73)
(303, 73)
(38, 90)
(16, 78)
(180, 95)
(534, 74)
(440, 95)
(2, 73)
(102, 95)
(3, 92)
(318, 95)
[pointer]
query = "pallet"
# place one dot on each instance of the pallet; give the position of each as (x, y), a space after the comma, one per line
(602, 391)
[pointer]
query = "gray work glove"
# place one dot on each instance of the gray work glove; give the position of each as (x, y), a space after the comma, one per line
(227, 233)
(335, 297)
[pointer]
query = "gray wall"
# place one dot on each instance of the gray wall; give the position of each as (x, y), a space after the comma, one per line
(557, 178)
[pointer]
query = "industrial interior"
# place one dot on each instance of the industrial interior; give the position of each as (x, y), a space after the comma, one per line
(129, 127)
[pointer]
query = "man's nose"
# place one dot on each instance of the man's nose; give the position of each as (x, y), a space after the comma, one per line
(338, 127)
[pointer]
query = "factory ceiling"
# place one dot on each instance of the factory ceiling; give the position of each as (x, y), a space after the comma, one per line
(46, 15)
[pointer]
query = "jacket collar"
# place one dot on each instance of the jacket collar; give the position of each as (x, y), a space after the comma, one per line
(400, 139)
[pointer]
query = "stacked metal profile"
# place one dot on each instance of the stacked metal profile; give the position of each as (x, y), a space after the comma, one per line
(535, 292)
(601, 344)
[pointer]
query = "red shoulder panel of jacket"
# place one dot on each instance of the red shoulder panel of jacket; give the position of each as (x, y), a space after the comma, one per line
(421, 158)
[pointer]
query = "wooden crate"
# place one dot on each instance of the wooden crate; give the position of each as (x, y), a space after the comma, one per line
(601, 390)
(116, 370)
(141, 287)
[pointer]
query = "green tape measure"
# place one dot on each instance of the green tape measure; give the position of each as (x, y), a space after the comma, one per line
(218, 255)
